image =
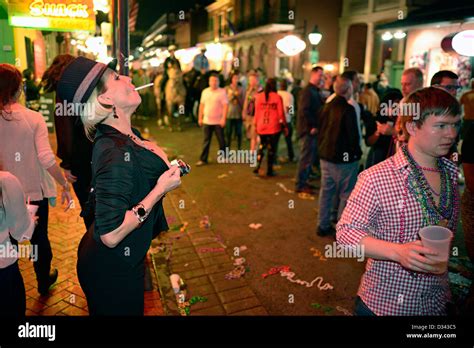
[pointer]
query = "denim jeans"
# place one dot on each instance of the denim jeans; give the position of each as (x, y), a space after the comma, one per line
(234, 126)
(336, 179)
(307, 144)
(362, 310)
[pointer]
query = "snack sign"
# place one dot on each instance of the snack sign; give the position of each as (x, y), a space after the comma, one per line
(57, 15)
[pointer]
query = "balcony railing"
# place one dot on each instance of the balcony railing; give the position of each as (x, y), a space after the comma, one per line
(382, 5)
(262, 18)
(207, 36)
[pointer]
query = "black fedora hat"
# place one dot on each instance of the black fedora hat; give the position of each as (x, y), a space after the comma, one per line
(79, 79)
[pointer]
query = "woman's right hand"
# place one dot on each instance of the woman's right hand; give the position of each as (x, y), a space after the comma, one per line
(169, 180)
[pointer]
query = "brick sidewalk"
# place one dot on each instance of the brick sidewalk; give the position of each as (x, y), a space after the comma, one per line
(203, 272)
(65, 231)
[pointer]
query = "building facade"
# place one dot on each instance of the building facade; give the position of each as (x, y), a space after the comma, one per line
(360, 47)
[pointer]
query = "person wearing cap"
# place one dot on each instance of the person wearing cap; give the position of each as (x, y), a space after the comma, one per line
(27, 154)
(170, 61)
(200, 62)
(130, 177)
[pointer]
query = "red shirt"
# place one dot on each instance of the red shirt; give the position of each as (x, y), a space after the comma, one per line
(269, 114)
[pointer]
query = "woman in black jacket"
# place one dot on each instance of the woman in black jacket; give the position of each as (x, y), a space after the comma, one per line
(130, 176)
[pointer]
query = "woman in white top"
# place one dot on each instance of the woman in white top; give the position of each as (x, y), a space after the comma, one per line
(26, 153)
(16, 223)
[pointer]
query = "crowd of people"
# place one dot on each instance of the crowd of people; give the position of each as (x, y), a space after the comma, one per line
(386, 170)
(408, 179)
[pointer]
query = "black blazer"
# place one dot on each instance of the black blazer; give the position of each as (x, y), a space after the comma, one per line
(120, 183)
(338, 137)
(309, 107)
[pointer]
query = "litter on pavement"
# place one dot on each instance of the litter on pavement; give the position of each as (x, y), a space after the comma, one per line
(255, 226)
(236, 273)
(204, 223)
(285, 271)
(317, 253)
(283, 187)
(343, 310)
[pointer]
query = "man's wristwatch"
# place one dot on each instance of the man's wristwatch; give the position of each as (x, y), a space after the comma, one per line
(140, 212)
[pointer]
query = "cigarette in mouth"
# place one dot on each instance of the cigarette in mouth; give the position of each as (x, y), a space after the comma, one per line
(144, 86)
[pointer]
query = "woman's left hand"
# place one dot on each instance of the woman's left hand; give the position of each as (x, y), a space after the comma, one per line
(66, 197)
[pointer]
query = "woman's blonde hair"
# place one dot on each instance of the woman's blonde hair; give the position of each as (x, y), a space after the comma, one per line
(97, 112)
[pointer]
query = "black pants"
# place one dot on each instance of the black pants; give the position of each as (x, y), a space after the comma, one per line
(12, 292)
(81, 188)
(40, 238)
(111, 285)
(234, 126)
(208, 130)
(270, 142)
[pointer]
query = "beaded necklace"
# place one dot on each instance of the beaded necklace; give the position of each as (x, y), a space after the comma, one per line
(421, 189)
(432, 215)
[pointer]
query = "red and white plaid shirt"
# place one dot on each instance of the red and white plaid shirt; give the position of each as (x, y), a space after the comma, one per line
(375, 208)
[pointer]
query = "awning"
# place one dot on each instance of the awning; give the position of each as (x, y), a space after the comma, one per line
(439, 12)
(262, 30)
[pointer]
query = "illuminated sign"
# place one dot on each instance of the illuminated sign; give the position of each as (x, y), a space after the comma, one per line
(58, 15)
(39, 8)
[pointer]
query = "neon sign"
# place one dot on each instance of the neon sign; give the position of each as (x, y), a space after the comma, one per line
(40, 8)
(58, 15)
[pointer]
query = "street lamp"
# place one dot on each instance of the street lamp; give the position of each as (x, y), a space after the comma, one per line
(291, 45)
(463, 43)
(315, 36)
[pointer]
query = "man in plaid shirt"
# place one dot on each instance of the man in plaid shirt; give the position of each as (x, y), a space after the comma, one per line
(384, 216)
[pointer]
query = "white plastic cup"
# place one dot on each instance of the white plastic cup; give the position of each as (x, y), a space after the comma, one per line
(438, 239)
(175, 282)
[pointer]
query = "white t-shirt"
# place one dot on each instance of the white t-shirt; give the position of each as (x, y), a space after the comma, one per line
(214, 101)
(288, 104)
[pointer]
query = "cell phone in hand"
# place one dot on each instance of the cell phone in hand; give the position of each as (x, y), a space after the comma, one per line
(183, 167)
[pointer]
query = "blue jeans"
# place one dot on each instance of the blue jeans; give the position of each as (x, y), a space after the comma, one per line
(308, 148)
(337, 180)
(362, 310)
